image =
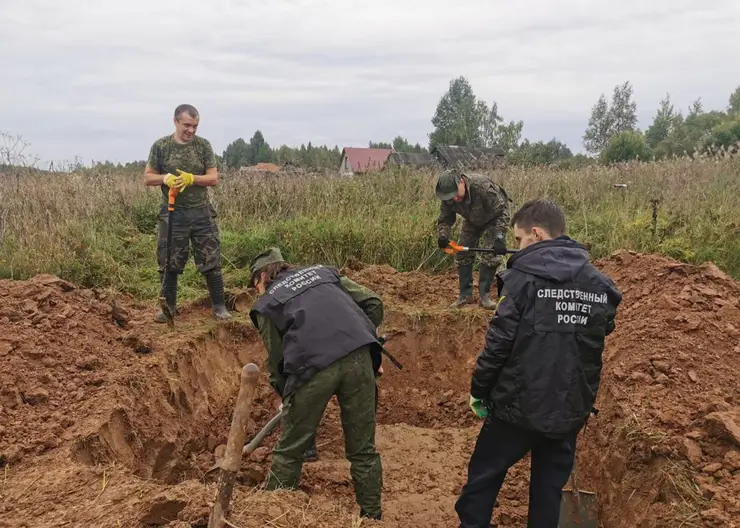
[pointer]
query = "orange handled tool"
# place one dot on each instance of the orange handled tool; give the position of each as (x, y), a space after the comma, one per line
(174, 191)
(498, 249)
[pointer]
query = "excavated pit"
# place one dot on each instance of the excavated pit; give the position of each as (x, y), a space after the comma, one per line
(109, 423)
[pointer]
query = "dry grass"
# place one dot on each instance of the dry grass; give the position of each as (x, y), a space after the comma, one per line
(284, 509)
(98, 229)
(689, 502)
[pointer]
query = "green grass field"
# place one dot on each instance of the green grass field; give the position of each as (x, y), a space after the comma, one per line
(99, 229)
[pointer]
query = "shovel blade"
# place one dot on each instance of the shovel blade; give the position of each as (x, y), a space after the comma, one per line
(578, 511)
(168, 315)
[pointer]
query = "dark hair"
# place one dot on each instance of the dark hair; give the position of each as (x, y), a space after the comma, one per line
(186, 109)
(271, 271)
(541, 213)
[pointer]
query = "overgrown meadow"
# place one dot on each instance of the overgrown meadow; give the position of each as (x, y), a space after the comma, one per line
(99, 229)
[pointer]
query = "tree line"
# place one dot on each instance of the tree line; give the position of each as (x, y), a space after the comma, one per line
(461, 118)
(612, 134)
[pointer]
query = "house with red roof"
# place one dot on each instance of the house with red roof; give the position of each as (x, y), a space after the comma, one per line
(358, 160)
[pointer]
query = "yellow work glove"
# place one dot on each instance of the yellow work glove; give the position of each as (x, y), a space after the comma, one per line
(170, 180)
(478, 407)
(184, 179)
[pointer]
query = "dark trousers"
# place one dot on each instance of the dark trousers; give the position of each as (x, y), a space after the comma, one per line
(500, 445)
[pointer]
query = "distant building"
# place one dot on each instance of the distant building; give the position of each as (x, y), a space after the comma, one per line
(358, 160)
(411, 159)
(469, 158)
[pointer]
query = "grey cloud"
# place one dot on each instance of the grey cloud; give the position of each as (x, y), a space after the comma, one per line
(101, 80)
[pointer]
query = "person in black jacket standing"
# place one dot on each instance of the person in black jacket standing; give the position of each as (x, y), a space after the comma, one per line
(536, 379)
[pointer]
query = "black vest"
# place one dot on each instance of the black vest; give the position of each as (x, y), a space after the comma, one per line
(318, 321)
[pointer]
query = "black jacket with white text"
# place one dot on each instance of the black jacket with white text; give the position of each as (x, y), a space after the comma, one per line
(541, 364)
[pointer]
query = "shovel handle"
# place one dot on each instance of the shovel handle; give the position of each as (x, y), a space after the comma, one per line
(232, 456)
(238, 431)
(454, 248)
(174, 191)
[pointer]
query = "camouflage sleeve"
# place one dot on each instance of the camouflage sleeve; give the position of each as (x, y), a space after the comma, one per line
(274, 344)
(367, 299)
(155, 158)
(209, 156)
(446, 219)
(501, 205)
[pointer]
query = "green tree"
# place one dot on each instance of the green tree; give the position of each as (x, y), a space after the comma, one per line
(401, 144)
(599, 128)
(734, 106)
(462, 119)
(259, 149)
(664, 123)
(606, 121)
(458, 117)
(627, 145)
(540, 153)
(236, 154)
(724, 135)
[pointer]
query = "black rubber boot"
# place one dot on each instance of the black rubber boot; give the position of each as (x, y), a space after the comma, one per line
(485, 280)
(215, 282)
(169, 289)
(311, 454)
(465, 274)
(366, 515)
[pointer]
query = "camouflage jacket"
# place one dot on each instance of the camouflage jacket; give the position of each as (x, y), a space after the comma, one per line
(485, 204)
(196, 157)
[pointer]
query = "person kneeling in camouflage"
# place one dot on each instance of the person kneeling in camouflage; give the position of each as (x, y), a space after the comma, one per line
(484, 207)
(319, 329)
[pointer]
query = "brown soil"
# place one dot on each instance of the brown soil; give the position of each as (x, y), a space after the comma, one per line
(109, 420)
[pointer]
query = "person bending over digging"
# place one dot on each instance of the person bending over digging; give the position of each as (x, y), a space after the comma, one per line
(535, 381)
(187, 162)
(484, 207)
(319, 329)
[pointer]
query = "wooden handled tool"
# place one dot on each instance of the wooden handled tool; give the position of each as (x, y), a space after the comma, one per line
(232, 457)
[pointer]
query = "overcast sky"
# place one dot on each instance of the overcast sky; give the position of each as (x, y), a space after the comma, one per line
(100, 80)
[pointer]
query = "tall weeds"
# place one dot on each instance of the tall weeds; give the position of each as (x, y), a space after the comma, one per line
(99, 229)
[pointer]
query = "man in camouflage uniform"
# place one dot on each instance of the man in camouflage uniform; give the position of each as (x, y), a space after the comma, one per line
(484, 207)
(187, 161)
(319, 329)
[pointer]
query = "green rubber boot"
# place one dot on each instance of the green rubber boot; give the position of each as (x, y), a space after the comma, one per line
(215, 282)
(465, 274)
(485, 280)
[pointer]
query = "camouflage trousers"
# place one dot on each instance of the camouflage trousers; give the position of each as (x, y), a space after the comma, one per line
(197, 225)
(352, 380)
(472, 236)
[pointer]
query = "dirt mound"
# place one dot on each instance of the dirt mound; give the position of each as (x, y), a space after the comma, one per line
(108, 419)
(665, 450)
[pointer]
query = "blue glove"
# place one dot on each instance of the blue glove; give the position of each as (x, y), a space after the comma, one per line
(478, 407)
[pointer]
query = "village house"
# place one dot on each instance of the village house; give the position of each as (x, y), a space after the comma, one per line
(469, 158)
(356, 160)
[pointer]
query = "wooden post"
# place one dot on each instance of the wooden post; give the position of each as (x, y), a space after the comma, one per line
(232, 457)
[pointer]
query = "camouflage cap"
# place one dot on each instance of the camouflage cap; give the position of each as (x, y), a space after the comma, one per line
(269, 256)
(447, 184)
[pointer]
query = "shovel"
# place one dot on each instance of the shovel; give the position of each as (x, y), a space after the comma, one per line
(499, 248)
(256, 441)
(169, 316)
(578, 508)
